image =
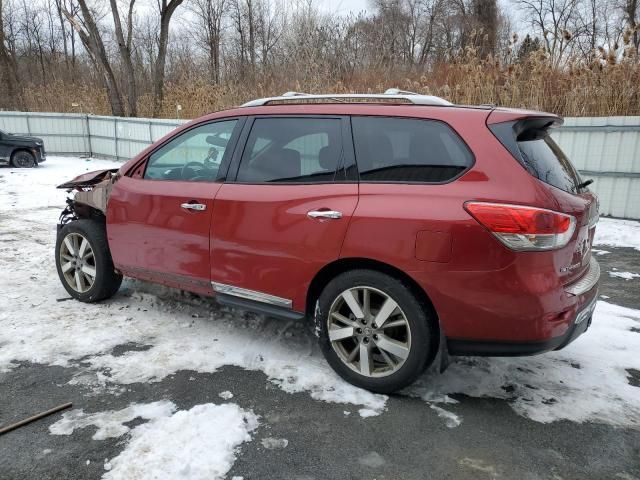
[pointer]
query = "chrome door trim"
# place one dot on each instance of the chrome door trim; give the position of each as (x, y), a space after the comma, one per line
(252, 295)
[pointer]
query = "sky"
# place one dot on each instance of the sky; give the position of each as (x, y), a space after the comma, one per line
(343, 6)
(356, 6)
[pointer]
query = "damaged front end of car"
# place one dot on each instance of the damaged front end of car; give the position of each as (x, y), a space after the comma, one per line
(88, 196)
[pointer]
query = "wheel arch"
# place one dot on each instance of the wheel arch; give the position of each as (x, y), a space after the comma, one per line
(21, 148)
(342, 265)
(89, 212)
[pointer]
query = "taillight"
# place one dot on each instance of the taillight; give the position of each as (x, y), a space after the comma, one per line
(524, 228)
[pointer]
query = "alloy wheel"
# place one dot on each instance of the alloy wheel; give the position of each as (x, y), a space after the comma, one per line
(77, 262)
(369, 331)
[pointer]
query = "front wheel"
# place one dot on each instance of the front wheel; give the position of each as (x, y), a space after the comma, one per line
(23, 159)
(373, 330)
(84, 263)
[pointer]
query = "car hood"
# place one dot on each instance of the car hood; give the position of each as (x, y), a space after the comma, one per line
(25, 139)
(88, 179)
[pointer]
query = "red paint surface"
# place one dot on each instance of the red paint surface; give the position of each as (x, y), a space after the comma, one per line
(263, 239)
(151, 236)
(260, 237)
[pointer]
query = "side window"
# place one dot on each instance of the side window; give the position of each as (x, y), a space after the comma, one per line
(407, 150)
(194, 156)
(303, 150)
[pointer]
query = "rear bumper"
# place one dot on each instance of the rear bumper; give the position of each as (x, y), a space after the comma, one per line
(579, 325)
(520, 321)
(585, 294)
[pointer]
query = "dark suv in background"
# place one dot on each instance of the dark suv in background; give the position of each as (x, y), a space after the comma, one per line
(401, 224)
(21, 151)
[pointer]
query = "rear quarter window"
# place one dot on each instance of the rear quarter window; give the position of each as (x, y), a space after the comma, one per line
(408, 150)
(545, 160)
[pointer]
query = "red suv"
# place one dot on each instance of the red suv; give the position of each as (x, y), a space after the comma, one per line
(408, 228)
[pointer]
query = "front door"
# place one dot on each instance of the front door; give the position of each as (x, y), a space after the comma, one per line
(158, 222)
(287, 212)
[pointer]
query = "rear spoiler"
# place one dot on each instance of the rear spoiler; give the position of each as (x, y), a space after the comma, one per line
(501, 115)
(511, 131)
(533, 128)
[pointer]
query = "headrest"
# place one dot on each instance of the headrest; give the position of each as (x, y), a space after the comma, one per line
(328, 158)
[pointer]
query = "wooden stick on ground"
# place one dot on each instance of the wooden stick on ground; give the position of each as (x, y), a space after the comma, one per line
(8, 428)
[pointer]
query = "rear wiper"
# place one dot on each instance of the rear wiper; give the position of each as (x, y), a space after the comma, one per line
(585, 184)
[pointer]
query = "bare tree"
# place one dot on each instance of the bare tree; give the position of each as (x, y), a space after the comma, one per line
(270, 20)
(208, 31)
(124, 47)
(631, 12)
(557, 21)
(92, 40)
(166, 9)
(9, 70)
(486, 21)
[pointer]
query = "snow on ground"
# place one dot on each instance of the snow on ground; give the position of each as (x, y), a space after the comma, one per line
(199, 443)
(617, 233)
(451, 419)
(111, 423)
(585, 382)
(193, 444)
(625, 275)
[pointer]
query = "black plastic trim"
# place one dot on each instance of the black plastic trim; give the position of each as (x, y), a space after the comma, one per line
(516, 349)
(258, 307)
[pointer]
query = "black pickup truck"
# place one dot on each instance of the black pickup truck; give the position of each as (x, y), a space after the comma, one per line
(21, 152)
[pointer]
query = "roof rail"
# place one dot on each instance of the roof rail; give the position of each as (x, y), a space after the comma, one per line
(389, 95)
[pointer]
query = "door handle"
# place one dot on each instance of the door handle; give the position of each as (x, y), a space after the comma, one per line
(332, 214)
(194, 206)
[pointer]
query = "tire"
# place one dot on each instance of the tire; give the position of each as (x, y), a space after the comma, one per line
(96, 257)
(409, 326)
(23, 159)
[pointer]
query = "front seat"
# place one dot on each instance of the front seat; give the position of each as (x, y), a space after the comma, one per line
(273, 165)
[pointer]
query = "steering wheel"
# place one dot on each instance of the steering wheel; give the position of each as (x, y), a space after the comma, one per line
(190, 166)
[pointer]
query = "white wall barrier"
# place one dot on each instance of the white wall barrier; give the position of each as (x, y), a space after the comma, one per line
(606, 149)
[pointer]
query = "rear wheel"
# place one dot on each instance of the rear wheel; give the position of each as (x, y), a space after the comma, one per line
(373, 330)
(23, 159)
(84, 262)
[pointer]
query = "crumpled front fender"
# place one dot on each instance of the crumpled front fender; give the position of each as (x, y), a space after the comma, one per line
(92, 188)
(89, 179)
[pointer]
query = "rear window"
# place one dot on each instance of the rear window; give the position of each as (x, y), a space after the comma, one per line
(529, 142)
(544, 159)
(408, 150)
(292, 150)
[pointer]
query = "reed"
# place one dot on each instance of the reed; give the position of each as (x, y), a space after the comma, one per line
(604, 87)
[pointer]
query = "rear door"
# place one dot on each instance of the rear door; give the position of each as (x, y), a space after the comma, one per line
(284, 214)
(159, 217)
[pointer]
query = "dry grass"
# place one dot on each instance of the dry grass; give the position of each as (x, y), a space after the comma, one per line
(601, 89)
